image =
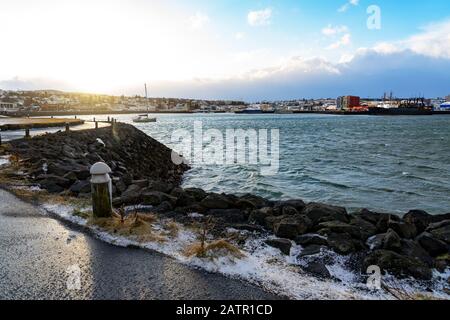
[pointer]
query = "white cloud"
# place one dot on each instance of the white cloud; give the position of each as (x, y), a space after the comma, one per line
(334, 30)
(346, 6)
(239, 35)
(199, 20)
(260, 18)
(345, 40)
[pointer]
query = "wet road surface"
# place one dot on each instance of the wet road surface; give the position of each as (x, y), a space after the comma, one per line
(36, 252)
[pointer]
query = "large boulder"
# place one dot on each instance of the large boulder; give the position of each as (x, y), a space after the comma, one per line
(310, 239)
(441, 231)
(433, 246)
(403, 229)
(196, 193)
(155, 198)
(318, 212)
(299, 205)
(339, 227)
(412, 249)
(291, 226)
(183, 198)
(81, 187)
(228, 215)
(284, 245)
(250, 201)
(421, 219)
(399, 265)
(342, 243)
(392, 241)
(318, 269)
(216, 201)
(366, 228)
(311, 250)
(259, 216)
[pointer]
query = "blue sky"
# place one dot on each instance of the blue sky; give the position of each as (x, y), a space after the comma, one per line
(226, 48)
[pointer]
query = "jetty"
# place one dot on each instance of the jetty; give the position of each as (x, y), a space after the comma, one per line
(36, 123)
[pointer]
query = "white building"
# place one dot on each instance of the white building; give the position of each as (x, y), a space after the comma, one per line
(447, 98)
(7, 107)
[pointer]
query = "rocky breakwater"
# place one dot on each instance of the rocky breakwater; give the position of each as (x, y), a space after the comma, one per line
(60, 162)
(143, 174)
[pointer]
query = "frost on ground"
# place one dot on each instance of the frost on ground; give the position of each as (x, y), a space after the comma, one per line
(262, 265)
(4, 161)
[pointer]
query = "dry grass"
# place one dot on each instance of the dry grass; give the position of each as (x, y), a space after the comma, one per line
(401, 293)
(214, 250)
(137, 226)
(172, 229)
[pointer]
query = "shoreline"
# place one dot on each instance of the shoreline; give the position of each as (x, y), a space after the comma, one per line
(312, 229)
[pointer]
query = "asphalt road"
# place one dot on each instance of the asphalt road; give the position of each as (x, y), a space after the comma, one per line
(36, 252)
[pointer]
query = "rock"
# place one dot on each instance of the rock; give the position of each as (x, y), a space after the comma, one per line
(155, 198)
(252, 202)
(398, 265)
(83, 174)
(376, 242)
(392, 241)
(259, 215)
(339, 227)
(193, 208)
(248, 227)
(183, 199)
(51, 186)
(403, 229)
(366, 228)
(289, 211)
(438, 225)
(133, 191)
(318, 269)
(433, 246)
(311, 239)
(291, 226)
(164, 207)
(341, 243)
(197, 194)
(412, 249)
(321, 213)
(228, 215)
(419, 218)
(283, 245)
(299, 205)
(71, 176)
(160, 186)
(120, 185)
(442, 233)
(81, 187)
(216, 201)
(140, 183)
(311, 250)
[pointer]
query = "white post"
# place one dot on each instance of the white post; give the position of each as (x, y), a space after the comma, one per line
(101, 190)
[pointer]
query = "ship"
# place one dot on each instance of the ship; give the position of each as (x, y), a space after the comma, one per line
(250, 110)
(410, 107)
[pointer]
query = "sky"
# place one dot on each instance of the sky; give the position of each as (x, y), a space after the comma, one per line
(227, 49)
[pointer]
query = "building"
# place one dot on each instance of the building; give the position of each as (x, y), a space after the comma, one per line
(447, 98)
(347, 102)
(8, 107)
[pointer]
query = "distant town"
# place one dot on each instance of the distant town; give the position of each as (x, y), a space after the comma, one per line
(58, 102)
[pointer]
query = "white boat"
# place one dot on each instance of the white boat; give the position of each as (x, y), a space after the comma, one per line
(143, 118)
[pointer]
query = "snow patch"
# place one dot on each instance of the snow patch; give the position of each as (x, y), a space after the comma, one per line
(4, 161)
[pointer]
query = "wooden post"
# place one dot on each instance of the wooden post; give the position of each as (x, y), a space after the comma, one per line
(101, 190)
(108, 119)
(96, 125)
(67, 127)
(0, 140)
(27, 133)
(94, 119)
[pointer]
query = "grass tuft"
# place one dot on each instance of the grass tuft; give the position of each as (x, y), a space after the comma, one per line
(213, 250)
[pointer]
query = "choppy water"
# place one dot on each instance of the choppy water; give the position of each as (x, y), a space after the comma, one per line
(391, 164)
